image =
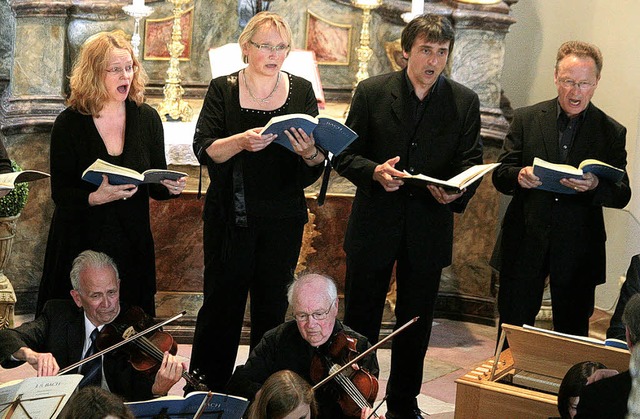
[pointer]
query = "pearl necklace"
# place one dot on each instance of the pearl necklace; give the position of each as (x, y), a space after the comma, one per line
(256, 99)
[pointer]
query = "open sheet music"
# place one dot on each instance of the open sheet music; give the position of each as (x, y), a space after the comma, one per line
(220, 406)
(37, 397)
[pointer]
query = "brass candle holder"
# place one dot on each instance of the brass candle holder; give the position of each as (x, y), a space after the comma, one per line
(173, 105)
(363, 51)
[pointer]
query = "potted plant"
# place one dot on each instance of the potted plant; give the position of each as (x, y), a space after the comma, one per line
(10, 207)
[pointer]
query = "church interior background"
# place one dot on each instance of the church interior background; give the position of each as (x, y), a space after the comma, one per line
(40, 39)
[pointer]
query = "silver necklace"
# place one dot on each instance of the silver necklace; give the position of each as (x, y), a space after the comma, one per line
(257, 99)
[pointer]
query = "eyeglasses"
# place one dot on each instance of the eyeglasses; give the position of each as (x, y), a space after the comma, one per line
(266, 48)
(318, 315)
(122, 70)
(582, 85)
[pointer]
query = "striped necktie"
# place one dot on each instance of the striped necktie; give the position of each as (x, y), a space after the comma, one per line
(92, 370)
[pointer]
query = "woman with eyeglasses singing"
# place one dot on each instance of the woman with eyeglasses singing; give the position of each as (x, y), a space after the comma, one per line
(255, 208)
(106, 119)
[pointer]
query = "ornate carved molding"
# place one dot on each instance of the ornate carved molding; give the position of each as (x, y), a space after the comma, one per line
(36, 8)
(28, 114)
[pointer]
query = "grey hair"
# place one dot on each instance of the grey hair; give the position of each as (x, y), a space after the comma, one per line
(631, 318)
(90, 258)
(330, 286)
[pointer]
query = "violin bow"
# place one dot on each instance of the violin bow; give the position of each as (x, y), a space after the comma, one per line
(203, 405)
(119, 344)
(365, 353)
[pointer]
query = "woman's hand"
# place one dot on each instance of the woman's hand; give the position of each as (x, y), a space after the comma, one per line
(305, 146)
(175, 187)
(107, 192)
(251, 140)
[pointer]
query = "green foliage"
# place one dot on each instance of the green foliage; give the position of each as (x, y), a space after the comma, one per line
(12, 203)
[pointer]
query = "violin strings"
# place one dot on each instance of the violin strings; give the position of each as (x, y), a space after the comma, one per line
(153, 351)
(352, 390)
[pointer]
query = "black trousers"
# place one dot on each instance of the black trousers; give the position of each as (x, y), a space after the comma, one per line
(520, 298)
(417, 289)
(259, 260)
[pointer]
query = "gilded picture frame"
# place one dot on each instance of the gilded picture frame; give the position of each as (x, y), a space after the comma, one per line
(330, 41)
(157, 34)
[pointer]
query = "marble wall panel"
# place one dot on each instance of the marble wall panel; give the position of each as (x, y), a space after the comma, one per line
(25, 265)
(6, 39)
(37, 69)
(477, 59)
(215, 24)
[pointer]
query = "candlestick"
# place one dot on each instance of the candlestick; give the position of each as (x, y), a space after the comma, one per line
(173, 105)
(417, 7)
(363, 51)
(137, 10)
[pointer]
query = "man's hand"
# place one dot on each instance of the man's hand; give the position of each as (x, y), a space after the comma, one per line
(44, 363)
(367, 413)
(384, 173)
(442, 196)
(588, 182)
(526, 178)
(169, 373)
(600, 374)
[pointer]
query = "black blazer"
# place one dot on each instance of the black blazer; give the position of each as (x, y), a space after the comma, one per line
(571, 226)
(606, 398)
(445, 143)
(60, 330)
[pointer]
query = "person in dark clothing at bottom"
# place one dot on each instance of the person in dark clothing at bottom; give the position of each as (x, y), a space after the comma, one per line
(607, 392)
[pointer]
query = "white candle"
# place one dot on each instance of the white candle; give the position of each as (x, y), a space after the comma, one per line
(417, 7)
(138, 3)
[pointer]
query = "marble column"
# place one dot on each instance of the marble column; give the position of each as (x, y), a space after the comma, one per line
(478, 58)
(87, 18)
(35, 94)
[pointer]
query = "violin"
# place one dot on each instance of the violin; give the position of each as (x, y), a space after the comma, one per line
(336, 370)
(145, 352)
(359, 387)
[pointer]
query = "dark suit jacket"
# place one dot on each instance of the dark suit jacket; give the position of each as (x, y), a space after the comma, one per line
(571, 226)
(283, 348)
(606, 398)
(446, 142)
(631, 286)
(60, 330)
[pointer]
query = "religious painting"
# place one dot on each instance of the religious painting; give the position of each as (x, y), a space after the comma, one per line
(394, 54)
(330, 41)
(157, 36)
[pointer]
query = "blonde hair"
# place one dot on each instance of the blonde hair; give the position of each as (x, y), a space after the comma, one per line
(88, 92)
(264, 19)
(280, 395)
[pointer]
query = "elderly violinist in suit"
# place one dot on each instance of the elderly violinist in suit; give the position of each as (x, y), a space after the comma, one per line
(61, 335)
(293, 345)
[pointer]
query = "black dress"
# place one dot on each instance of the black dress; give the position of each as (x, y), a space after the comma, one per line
(121, 228)
(254, 215)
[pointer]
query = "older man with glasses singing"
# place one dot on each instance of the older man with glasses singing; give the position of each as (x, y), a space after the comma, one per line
(556, 229)
(292, 346)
